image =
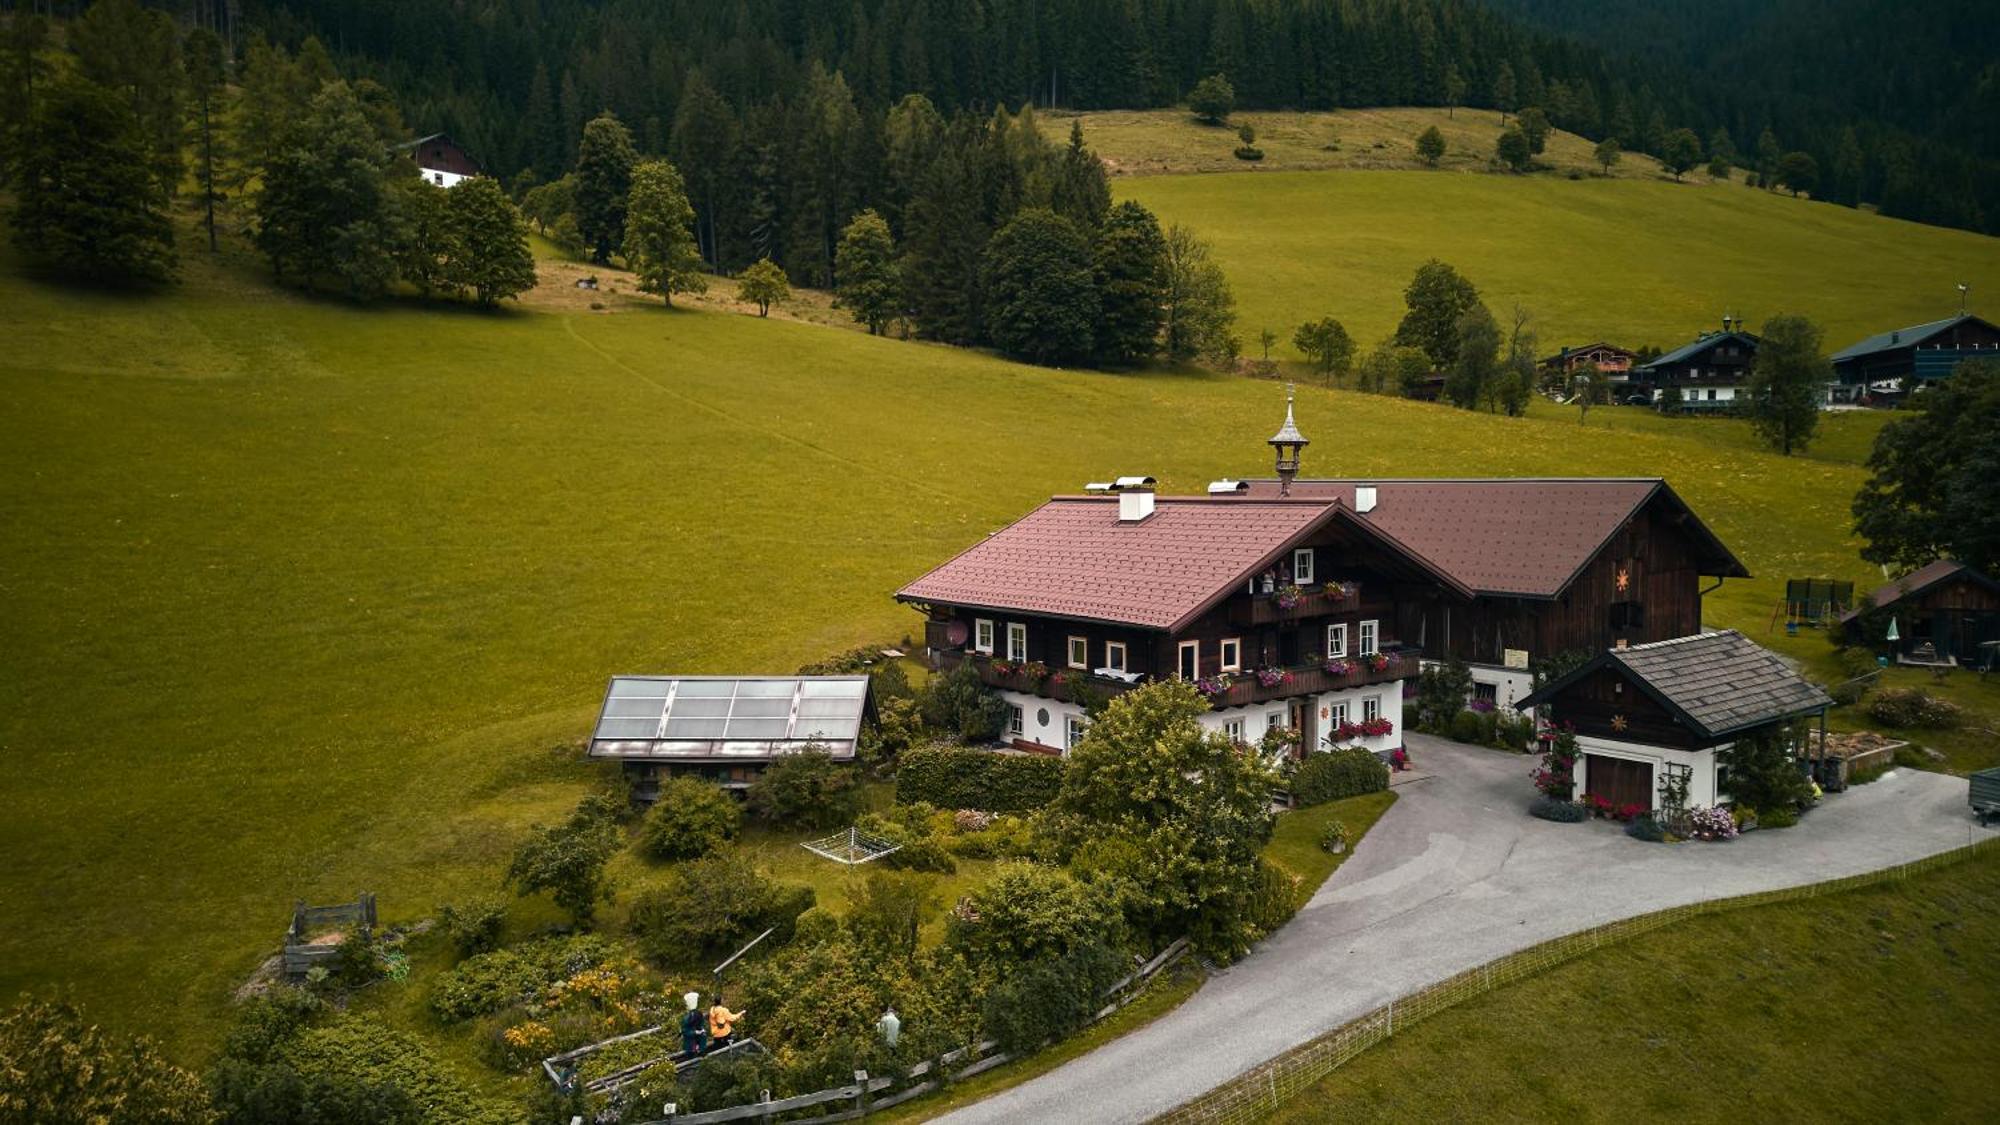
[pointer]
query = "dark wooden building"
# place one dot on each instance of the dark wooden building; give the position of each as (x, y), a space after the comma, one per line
(1944, 613)
(1909, 356)
(1708, 371)
(441, 160)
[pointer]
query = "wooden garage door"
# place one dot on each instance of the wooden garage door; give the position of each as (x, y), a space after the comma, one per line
(1619, 781)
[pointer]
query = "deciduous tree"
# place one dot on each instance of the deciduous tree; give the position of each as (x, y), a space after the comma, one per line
(1130, 265)
(58, 1067)
(1798, 172)
(763, 283)
(1534, 124)
(1607, 153)
(1327, 345)
(1198, 308)
(1930, 491)
(1435, 298)
(1477, 360)
(1680, 151)
(1430, 145)
(324, 207)
(864, 269)
(491, 242)
(1787, 383)
(1042, 296)
(659, 239)
(1513, 149)
(568, 859)
(1212, 98)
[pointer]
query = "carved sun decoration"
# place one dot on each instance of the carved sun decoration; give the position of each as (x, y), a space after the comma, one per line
(1618, 722)
(1624, 579)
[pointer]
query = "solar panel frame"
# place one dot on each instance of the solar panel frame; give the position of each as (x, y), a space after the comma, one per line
(696, 718)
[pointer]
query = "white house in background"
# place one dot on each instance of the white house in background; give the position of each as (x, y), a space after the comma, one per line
(441, 160)
(1649, 712)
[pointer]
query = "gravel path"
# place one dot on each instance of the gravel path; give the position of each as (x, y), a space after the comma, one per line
(1455, 875)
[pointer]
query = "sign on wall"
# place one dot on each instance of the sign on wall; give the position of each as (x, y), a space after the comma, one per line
(1515, 658)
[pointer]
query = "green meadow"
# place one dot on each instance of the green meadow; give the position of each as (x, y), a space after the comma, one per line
(304, 599)
(1634, 261)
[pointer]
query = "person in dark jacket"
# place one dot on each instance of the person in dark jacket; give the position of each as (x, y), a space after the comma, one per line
(694, 1027)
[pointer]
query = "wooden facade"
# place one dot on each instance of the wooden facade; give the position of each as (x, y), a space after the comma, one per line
(1951, 619)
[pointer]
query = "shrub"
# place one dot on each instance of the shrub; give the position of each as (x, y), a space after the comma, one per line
(472, 926)
(1441, 692)
(1028, 913)
(492, 981)
(267, 1022)
(247, 1093)
(1915, 707)
(1644, 827)
(1049, 999)
(1712, 824)
(360, 1050)
(1562, 812)
(1469, 726)
(1784, 816)
(691, 819)
(1762, 773)
(568, 859)
(1273, 898)
(734, 1079)
(1334, 774)
(806, 789)
(1856, 662)
(360, 960)
(889, 911)
(709, 907)
(918, 848)
(1848, 692)
(960, 705)
(951, 777)
(56, 1066)
(1513, 732)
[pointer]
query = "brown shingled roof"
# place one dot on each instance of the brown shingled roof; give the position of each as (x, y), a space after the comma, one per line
(1917, 581)
(1526, 537)
(1717, 684)
(1073, 557)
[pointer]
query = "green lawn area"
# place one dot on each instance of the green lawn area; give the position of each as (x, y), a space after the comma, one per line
(305, 599)
(1294, 845)
(1632, 261)
(1873, 1005)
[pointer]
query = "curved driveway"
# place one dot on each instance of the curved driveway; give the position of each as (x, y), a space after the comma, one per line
(1455, 875)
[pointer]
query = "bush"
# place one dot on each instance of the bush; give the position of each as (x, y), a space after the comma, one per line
(1562, 812)
(951, 777)
(918, 848)
(568, 859)
(360, 960)
(1441, 692)
(492, 981)
(1333, 837)
(806, 789)
(360, 1050)
(1468, 726)
(56, 1066)
(691, 819)
(1334, 774)
(960, 705)
(1784, 816)
(734, 1079)
(472, 926)
(1513, 732)
(1049, 999)
(1856, 662)
(1644, 827)
(1273, 899)
(709, 907)
(1249, 152)
(1915, 707)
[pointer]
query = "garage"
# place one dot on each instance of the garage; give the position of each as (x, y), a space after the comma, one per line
(1620, 781)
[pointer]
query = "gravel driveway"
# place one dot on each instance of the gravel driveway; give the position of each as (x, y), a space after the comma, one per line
(1455, 875)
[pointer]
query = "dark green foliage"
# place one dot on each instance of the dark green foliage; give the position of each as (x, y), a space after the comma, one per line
(691, 819)
(1441, 693)
(489, 982)
(1130, 273)
(1680, 151)
(1644, 827)
(207, 64)
(473, 925)
(247, 1093)
(1080, 191)
(1607, 153)
(948, 777)
(659, 242)
(1330, 775)
(324, 209)
(87, 204)
(1560, 811)
(864, 268)
(355, 1053)
(56, 1066)
(730, 1080)
(361, 961)
(1761, 772)
(1475, 366)
(707, 908)
(1798, 172)
(490, 241)
(1787, 380)
(806, 789)
(1915, 708)
(1534, 125)
(1212, 98)
(1041, 294)
(958, 704)
(1430, 146)
(1513, 149)
(1782, 816)
(889, 911)
(568, 859)
(265, 1023)
(1028, 913)
(1436, 298)
(134, 53)
(1047, 1000)
(1467, 727)
(922, 846)
(1930, 491)
(1327, 345)
(604, 164)
(1199, 307)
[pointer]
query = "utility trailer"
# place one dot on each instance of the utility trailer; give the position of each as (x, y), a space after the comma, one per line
(1985, 795)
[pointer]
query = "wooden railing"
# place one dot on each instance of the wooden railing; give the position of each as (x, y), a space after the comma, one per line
(1064, 684)
(1315, 601)
(1312, 678)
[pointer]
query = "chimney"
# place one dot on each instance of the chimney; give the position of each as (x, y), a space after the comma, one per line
(1228, 487)
(1364, 498)
(1135, 504)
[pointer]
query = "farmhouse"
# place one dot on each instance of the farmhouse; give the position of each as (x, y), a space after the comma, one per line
(1943, 613)
(1614, 361)
(1708, 371)
(1898, 360)
(441, 160)
(724, 728)
(1654, 715)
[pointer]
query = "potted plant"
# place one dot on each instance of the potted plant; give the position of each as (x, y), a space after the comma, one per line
(1333, 838)
(1212, 686)
(1290, 595)
(1273, 677)
(1340, 591)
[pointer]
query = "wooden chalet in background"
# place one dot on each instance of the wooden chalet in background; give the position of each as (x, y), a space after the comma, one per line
(1615, 362)
(1709, 370)
(1906, 357)
(441, 160)
(1945, 613)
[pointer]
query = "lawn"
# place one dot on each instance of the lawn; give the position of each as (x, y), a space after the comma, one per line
(1873, 1005)
(1632, 261)
(1294, 845)
(305, 599)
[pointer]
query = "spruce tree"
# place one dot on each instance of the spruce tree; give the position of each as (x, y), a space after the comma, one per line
(1130, 269)
(1041, 293)
(87, 201)
(659, 235)
(490, 240)
(135, 53)
(207, 75)
(1430, 146)
(604, 161)
(1081, 192)
(865, 265)
(1680, 151)
(704, 145)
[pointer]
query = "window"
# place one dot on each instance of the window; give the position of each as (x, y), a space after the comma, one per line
(1336, 639)
(1232, 654)
(1628, 615)
(1371, 708)
(1234, 729)
(1711, 394)
(1487, 692)
(1017, 641)
(1302, 566)
(1114, 655)
(1336, 716)
(1016, 721)
(1079, 652)
(1190, 660)
(1073, 731)
(1368, 641)
(1274, 720)
(982, 635)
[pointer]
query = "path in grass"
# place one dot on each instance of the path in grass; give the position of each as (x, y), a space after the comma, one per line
(1456, 875)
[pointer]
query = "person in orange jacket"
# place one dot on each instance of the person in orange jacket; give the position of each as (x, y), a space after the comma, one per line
(721, 1024)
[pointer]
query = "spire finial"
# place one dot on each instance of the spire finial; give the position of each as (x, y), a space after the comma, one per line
(1288, 442)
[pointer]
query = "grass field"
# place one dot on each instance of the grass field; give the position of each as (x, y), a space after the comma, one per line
(1632, 261)
(1874, 1005)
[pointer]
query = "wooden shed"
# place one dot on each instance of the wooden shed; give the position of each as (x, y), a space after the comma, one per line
(1945, 613)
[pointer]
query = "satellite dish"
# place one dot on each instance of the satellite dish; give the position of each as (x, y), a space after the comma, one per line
(955, 633)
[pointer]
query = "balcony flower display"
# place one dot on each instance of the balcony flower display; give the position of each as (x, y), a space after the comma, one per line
(1034, 671)
(1006, 667)
(1366, 728)
(1213, 685)
(1290, 595)
(1336, 666)
(1273, 677)
(1341, 591)
(1378, 661)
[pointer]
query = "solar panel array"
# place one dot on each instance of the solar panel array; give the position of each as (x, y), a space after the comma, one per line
(709, 716)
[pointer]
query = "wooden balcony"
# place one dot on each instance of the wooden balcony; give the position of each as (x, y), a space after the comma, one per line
(1314, 601)
(1313, 678)
(1062, 684)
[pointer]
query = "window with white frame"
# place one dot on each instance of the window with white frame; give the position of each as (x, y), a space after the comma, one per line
(1016, 721)
(1079, 652)
(1302, 566)
(1073, 731)
(1234, 729)
(1017, 641)
(982, 635)
(1336, 640)
(1189, 666)
(1114, 655)
(1369, 629)
(1336, 714)
(1274, 720)
(1232, 654)
(1371, 708)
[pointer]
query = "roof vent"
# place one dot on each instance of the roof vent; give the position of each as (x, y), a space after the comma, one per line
(1100, 486)
(1895, 337)
(1124, 483)
(1135, 505)
(1227, 487)
(1364, 498)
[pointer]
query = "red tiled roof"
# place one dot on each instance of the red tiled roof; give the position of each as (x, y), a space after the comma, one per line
(1072, 557)
(1517, 536)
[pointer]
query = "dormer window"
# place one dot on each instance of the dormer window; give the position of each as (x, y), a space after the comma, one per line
(1302, 566)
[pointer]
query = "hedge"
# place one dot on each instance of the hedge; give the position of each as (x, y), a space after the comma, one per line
(1333, 774)
(951, 777)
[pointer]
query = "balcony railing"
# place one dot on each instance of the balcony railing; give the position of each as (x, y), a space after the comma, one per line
(1312, 601)
(1068, 685)
(1316, 676)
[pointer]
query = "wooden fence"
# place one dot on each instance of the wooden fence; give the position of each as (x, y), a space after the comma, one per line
(302, 955)
(1258, 1092)
(860, 1098)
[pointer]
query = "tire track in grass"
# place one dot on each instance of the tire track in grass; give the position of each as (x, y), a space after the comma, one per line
(569, 325)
